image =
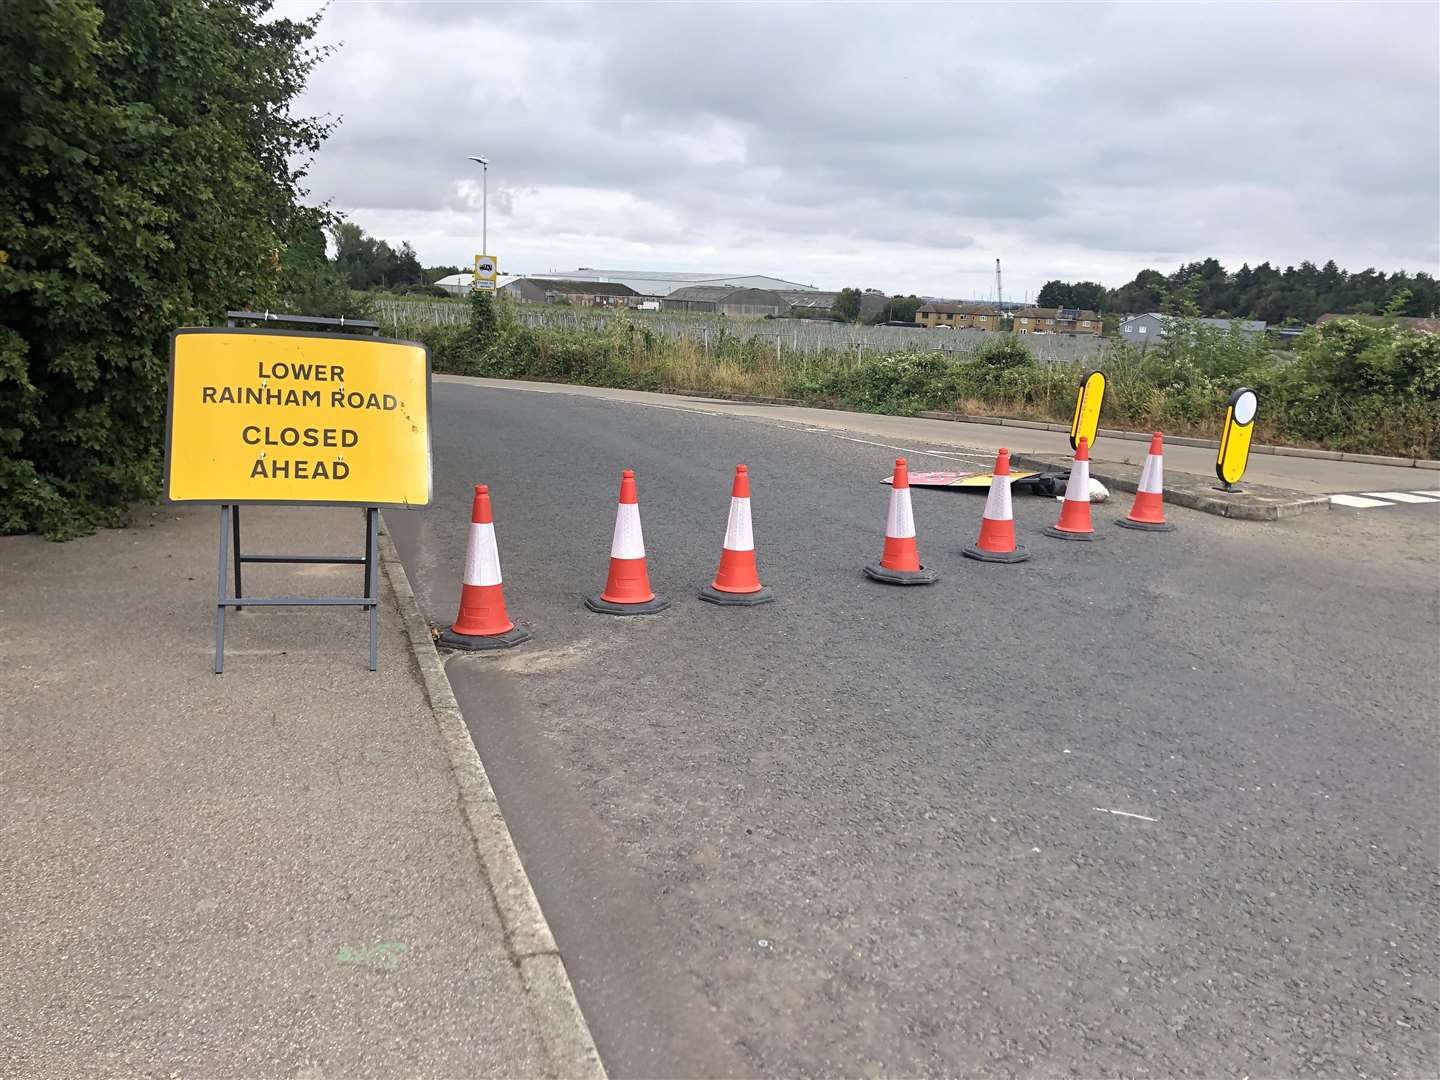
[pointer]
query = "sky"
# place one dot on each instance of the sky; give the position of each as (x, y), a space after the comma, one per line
(902, 147)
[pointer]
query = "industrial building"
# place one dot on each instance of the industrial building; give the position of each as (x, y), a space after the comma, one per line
(663, 283)
(530, 290)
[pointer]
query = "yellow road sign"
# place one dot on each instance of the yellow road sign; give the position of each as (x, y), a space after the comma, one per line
(487, 269)
(1088, 400)
(1235, 436)
(282, 417)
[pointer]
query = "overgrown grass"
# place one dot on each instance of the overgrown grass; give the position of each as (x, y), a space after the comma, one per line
(1374, 390)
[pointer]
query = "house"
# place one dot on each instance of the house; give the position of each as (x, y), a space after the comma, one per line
(958, 316)
(1401, 322)
(529, 290)
(1038, 320)
(1141, 329)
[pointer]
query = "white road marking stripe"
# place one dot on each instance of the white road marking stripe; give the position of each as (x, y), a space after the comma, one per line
(1396, 496)
(1125, 813)
(981, 455)
(1429, 491)
(1357, 502)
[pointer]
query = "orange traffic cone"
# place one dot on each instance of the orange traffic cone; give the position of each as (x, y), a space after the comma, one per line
(1148, 513)
(737, 582)
(627, 588)
(997, 527)
(482, 622)
(900, 562)
(1074, 523)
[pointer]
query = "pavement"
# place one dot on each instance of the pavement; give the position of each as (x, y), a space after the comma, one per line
(288, 870)
(1162, 805)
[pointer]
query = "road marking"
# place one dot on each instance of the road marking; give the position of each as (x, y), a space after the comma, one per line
(1368, 500)
(1395, 496)
(1125, 813)
(1357, 502)
(979, 455)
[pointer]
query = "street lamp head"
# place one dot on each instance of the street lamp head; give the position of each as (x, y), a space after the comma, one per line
(480, 160)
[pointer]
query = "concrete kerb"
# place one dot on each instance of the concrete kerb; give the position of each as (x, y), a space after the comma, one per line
(1255, 503)
(528, 940)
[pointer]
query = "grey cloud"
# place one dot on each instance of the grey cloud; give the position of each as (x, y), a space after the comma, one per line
(796, 135)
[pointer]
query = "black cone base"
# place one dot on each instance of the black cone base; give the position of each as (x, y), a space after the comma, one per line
(1061, 534)
(609, 607)
(483, 642)
(923, 576)
(1018, 555)
(713, 595)
(1145, 526)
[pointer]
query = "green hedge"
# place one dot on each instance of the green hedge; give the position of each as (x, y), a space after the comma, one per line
(147, 152)
(1345, 386)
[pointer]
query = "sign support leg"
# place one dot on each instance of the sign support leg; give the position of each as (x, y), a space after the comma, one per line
(369, 535)
(372, 582)
(220, 592)
(235, 511)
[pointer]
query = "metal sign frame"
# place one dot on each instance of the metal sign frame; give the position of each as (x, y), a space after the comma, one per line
(230, 511)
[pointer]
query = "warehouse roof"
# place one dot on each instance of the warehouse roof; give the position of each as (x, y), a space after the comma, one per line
(582, 288)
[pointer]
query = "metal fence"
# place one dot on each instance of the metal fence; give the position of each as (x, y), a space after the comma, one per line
(803, 336)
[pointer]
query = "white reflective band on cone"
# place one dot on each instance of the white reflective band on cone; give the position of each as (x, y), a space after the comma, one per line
(1152, 477)
(997, 503)
(1078, 489)
(738, 536)
(482, 559)
(628, 541)
(902, 520)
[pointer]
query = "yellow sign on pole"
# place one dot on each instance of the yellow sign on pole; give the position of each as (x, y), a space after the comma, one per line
(1235, 437)
(283, 417)
(487, 270)
(1088, 400)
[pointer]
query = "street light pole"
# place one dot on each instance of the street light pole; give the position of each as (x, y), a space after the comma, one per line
(484, 164)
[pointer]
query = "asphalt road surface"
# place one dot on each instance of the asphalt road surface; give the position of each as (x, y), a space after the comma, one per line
(1163, 805)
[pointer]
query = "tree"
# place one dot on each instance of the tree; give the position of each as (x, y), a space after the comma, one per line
(311, 285)
(899, 308)
(1086, 295)
(364, 261)
(1054, 294)
(847, 304)
(1089, 296)
(152, 169)
(1146, 293)
(407, 269)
